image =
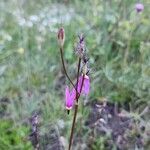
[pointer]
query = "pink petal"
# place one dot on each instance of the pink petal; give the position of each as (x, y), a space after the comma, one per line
(67, 93)
(86, 88)
(69, 99)
(73, 94)
(80, 84)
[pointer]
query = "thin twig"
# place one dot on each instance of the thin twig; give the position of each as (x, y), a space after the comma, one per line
(61, 52)
(79, 64)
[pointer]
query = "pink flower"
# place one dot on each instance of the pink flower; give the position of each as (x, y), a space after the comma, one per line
(84, 85)
(70, 97)
(139, 7)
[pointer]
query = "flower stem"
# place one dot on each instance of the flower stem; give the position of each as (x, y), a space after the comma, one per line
(62, 59)
(79, 64)
(73, 125)
(76, 106)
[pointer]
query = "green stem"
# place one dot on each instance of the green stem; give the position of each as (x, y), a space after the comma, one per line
(62, 59)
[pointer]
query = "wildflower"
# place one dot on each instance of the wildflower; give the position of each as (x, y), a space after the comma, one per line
(84, 85)
(139, 7)
(61, 37)
(70, 97)
(80, 47)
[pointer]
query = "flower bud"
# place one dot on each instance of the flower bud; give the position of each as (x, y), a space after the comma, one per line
(61, 37)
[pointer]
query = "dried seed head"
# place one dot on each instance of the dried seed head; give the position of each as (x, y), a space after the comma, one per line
(80, 48)
(61, 36)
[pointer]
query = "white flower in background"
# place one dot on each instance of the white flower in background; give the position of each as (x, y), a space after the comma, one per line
(33, 18)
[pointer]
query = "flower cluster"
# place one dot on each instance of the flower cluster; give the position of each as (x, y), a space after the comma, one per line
(82, 85)
(83, 82)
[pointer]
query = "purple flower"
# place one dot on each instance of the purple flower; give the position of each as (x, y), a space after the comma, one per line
(84, 85)
(139, 7)
(70, 97)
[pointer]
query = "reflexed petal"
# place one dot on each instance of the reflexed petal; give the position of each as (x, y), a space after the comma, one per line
(86, 85)
(69, 99)
(73, 94)
(80, 84)
(67, 93)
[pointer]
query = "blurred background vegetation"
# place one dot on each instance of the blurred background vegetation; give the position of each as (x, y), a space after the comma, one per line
(31, 78)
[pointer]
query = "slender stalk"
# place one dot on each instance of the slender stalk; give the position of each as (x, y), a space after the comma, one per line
(73, 125)
(82, 84)
(76, 108)
(79, 64)
(74, 117)
(62, 59)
